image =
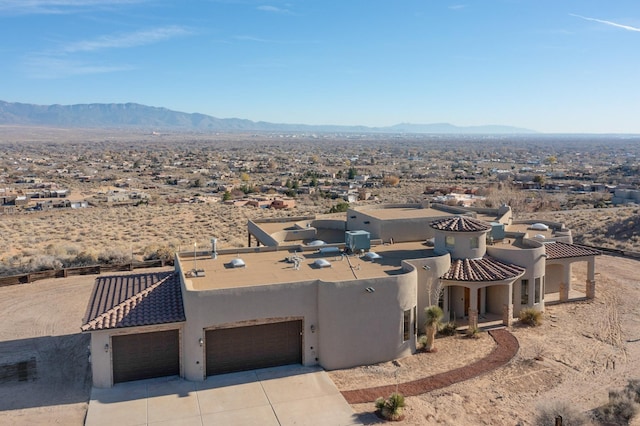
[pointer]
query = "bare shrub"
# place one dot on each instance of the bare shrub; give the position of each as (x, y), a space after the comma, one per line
(549, 411)
(620, 409)
(530, 316)
(43, 263)
(114, 256)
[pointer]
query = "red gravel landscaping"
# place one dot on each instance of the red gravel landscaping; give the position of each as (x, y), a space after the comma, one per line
(506, 349)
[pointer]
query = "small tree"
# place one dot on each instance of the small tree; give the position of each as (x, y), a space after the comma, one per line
(433, 314)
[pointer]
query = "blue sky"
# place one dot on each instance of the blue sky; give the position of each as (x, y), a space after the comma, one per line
(570, 66)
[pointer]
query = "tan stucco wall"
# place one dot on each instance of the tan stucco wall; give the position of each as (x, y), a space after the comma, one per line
(533, 260)
(428, 281)
(351, 326)
(214, 308)
(555, 275)
(462, 247)
(358, 327)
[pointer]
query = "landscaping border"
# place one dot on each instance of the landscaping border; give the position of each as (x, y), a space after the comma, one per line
(507, 347)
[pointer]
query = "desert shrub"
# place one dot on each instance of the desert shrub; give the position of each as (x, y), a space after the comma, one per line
(84, 258)
(154, 252)
(392, 407)
(473, 332)
(633, 389)
(449, 329)
(620, 409)
(44, 263)
(530, 316)
(548, 411)
(114, 256)
(422, 342)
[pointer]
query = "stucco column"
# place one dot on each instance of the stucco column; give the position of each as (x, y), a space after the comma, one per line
(565, 285)
(507, 314)
(507, 306)
(591, 278)
(473, 319)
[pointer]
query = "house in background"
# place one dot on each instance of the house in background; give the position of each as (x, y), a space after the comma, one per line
(328, 291)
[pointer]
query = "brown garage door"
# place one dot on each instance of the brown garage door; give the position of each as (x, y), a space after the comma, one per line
(145, 355)
(251, 347)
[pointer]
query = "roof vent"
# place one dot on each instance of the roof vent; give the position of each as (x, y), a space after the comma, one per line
(539, 227)
(372, 255)
(322, 263)
(316, 243)
(237, 263)
(329, 250)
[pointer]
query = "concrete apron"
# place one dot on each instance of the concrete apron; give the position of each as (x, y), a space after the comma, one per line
(285, 395)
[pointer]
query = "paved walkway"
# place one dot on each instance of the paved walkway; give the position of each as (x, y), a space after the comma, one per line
(289, 395)
(507, 347)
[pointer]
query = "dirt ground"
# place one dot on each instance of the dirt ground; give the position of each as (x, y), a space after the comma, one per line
(42, 321)
(587, 348)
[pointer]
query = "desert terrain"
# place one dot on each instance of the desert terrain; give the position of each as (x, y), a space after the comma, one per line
(584, 349)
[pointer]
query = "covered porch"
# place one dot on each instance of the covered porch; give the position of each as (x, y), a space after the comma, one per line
(558, 281)
(476, 305)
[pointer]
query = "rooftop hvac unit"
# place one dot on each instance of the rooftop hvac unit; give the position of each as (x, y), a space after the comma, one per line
(357, 240)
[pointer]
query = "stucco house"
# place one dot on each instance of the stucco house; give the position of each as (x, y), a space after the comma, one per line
(327, 291)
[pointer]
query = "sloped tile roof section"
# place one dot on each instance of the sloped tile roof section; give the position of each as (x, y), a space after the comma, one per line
(481, 270)
(460, 224)
(134, 300)
(560, 250)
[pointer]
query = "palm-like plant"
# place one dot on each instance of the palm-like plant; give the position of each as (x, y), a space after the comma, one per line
(391, 408)
(433, 314)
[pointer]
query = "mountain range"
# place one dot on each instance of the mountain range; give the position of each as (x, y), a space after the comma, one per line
(136, 116)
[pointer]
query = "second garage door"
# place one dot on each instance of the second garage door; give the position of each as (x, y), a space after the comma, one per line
(145, 355)
(252, 347)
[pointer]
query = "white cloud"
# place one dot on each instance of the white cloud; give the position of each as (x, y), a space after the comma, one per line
(50, 67)
(613, 24)
(26, 7)
(273, 9)
(67, 61)
(457, 6)
(138, 38)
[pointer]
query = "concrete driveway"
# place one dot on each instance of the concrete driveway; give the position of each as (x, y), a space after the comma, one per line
(289, 395)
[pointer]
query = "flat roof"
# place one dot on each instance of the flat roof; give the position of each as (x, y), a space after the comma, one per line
(404, 213)
(526, 227)
(272, 267)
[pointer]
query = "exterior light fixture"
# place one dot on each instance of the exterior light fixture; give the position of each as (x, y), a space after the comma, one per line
(312, 328)
(106, 347)
(200, 341)
(370, 290)
(426, 267)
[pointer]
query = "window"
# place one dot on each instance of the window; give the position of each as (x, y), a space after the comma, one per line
(524, 292)
(406, 325)
(450, 241)
(475, 242)
(536, 290)
(366, 222)
(415, 320)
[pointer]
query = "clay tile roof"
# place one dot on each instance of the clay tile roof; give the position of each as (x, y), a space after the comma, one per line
(478, 270)
(460, 224)
(134, 300)
(560, 250)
